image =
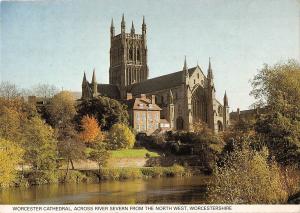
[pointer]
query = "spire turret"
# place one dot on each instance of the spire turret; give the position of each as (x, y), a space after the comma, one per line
(225, 99)
(94, 84)
(185, 72)
(123, 24)
(84, 79)
(94, 77)
(184, 65)
(112, 28)
(144, 28)
(225, 111)
(209, 71)
(132, 28)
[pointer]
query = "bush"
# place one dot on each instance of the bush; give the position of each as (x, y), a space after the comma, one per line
(43, 177)
(175, 170)
(119, 173)
(152, 171)
(247, 177)
(72, 177)
(128, 173)
(109, 174)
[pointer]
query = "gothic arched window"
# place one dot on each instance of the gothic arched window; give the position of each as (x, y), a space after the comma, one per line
(220, 111)
(130, 54)
(138, 54)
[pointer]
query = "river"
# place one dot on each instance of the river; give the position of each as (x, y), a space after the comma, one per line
(176, 190)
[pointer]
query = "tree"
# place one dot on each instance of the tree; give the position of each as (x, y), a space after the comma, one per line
(62, 109)
(45, 90)
(90, 130)
(100, 155)
(10, 124)
(10, 157)
(278, 89)
(70, 146)
(40, 148)
(107, 111)
(120, 136)
(247, 177)
(9, 90)
(13, 113)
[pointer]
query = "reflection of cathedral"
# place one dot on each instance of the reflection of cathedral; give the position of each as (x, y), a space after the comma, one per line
(186, 96)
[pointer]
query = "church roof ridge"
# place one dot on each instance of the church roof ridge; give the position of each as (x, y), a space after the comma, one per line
(159, 83)
(189, 70)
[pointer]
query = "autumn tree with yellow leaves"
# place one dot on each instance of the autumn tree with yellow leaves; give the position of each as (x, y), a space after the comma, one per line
(10, 157)
(90, 130)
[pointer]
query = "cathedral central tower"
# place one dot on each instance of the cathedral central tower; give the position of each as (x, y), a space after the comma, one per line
(128, 56)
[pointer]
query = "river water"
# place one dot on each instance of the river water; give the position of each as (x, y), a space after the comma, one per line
(176, 190)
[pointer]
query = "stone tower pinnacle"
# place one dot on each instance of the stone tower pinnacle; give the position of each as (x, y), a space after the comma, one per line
(185, 72)
(225, 99)
(132, 28)
(84, 79)
(112, 28)
(123, 24)
(144, 26)
(94, 84)
(209, 71)
(225, 111)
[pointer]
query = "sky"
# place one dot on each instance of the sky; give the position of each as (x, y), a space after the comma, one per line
(55, 41)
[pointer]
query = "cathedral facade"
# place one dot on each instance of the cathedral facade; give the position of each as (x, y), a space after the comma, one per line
(185, 97)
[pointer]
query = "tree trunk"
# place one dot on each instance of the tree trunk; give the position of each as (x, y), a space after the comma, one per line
(72, 163)
(67, 171)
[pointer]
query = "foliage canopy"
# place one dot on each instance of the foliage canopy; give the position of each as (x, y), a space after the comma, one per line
(107, 111)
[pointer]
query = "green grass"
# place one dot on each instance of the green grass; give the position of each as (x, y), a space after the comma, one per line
(132, 153)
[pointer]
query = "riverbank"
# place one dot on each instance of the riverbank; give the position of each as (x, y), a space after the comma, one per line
(164, 190)
(30, 178)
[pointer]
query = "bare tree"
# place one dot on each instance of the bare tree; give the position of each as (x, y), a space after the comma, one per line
(45, 90)
(9, 90)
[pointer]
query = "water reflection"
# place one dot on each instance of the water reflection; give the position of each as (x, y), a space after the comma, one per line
(156, 190)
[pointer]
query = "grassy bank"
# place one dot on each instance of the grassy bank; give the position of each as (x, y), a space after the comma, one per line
(143, 172)
(132, 153)
(94, 176)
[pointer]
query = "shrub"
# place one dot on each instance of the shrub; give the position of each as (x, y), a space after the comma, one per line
(247, 177)
(109, 174)
(127, 173)
(152, 171)
(175, 170)
(119, 173)
(72, 177)
(43, 177)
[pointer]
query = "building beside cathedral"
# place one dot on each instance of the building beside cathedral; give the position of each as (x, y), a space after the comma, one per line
(184, 97)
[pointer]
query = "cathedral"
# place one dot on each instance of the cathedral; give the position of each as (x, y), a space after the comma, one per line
(185, 97)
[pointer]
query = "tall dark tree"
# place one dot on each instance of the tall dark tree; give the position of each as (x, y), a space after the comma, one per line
(70, 147)
(107, 111)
